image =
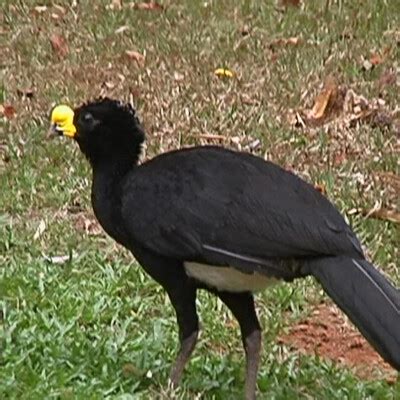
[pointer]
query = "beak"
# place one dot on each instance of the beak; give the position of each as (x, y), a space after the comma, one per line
(53, 131)
(62, 122)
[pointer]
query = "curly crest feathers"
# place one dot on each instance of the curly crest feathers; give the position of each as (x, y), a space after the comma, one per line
(115, 130)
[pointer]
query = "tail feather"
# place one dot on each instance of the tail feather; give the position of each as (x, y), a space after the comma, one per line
(370, 301)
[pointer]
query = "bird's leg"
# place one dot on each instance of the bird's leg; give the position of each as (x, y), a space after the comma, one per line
(182, 293)
(242, 307)
(184, 301)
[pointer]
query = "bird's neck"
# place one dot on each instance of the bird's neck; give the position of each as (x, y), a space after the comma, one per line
(113, 170)
(106, 195)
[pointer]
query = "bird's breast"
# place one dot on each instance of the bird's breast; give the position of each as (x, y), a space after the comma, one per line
(227, 278)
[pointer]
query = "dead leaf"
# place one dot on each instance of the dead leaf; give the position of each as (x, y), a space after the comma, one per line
(379, 58)
(7, 111)
(384, 214)
(326, 96)
(210, 136)
(293, 40)
(376, 59)
(59, 45)
(150, 6)
(136, 56)
(40, 9)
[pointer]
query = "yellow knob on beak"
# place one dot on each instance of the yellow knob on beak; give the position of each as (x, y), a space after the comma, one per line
(62, 121)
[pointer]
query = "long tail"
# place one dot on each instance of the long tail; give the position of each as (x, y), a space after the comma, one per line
(368, 299)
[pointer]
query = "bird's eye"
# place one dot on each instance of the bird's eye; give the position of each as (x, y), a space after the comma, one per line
(88, 121)
(87, 117)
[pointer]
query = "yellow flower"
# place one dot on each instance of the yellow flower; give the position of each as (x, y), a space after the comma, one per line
(223, 73)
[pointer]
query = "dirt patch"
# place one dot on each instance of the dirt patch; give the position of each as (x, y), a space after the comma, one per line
(328, 334)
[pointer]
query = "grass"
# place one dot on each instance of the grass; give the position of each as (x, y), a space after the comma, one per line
(92, 325)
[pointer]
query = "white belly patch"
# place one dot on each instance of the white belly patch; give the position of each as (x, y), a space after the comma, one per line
(227, 278)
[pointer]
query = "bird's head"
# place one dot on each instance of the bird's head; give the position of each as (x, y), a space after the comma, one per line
(105, 129)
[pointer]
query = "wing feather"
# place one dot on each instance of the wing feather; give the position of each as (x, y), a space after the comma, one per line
(184, 204)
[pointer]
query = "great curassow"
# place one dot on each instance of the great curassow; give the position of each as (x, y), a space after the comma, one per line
(228, 222)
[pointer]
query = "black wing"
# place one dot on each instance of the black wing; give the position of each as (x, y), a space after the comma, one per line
(221, 207)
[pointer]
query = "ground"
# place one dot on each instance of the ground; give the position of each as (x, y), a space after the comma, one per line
(327, 334)
(313, 87)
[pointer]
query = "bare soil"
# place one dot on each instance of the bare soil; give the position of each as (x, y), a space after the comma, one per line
(326, 333)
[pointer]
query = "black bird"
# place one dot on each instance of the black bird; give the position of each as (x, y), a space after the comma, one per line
(228, 222)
